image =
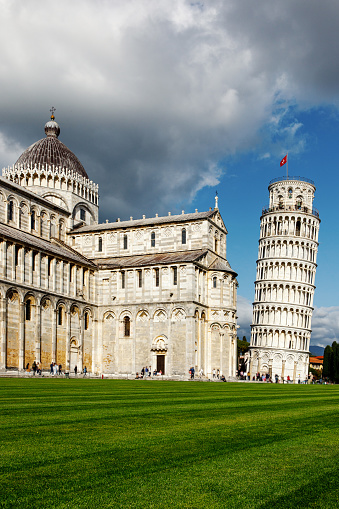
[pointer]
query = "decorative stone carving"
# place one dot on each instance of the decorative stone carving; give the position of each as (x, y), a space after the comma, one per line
(142, 316)
(160, 316)
(178, 315)
(159, 345)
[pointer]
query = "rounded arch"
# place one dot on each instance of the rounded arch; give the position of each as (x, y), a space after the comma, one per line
(108, 315)
(30, 296)
(160, 315)
(160, 344)
(178, 314)
(143, 315)
(14, 293)
(125, 312)
(55, 199)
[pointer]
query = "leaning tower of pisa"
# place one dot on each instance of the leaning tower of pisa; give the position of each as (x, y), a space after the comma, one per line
(284, 286)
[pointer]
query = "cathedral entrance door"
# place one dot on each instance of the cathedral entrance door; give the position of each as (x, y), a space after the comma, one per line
(161, 363)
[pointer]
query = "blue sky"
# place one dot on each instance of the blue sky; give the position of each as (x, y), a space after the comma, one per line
(165, 102)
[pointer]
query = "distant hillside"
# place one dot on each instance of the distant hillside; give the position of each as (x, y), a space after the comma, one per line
(317, 350)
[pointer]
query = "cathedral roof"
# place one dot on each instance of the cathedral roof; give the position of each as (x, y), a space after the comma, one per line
(118, 262)
(180, 218)
(220, 264)
(55, 247)
(50, 151)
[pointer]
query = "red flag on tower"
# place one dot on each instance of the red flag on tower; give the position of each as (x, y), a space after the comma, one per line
(283, 161)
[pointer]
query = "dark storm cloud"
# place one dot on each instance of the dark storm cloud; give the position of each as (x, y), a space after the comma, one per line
(151, 95)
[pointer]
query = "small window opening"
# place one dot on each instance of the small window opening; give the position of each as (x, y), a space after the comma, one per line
(183, 236)
(139, 278)
(157, 277)
(16, 255)
(153, 239)
(100, 244)
(10, 210)
(82, 214)
(33, 220)
(86, 321)
(122, 279)
(175, 275)
(214, 282)
(125, 241)
(28, 310)
(127, 326)
(60, 316)
(34, 254)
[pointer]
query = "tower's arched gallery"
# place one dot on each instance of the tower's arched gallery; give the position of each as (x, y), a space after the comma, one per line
(113, 297)
(284, 286)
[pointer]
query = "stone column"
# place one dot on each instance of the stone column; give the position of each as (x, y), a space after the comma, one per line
(3, 332)
(21, 335)
(68, 340)
(221, 362)
(81, 339)
(295, 372)
(38, 333)
(54, 335)
(283, 369)
(3, 265)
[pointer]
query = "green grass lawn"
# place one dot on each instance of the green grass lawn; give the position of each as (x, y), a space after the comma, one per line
(111, 443)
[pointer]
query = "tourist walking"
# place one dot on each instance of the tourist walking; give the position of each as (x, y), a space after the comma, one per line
(75, 370)
(85, 371)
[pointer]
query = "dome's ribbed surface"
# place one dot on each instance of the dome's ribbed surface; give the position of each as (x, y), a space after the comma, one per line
(50, 151)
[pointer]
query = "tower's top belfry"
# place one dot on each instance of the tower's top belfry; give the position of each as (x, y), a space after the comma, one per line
(291, 194)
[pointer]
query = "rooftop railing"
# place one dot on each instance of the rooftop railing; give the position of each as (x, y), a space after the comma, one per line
(290, 208)
(302, 179)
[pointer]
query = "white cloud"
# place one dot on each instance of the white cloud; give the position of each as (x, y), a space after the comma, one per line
(325, 325)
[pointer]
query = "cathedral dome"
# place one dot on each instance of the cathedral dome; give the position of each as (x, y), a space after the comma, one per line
(50, 151)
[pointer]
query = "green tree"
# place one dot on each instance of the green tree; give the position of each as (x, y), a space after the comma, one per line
(243, 345)
(328, 366)
(335, 348)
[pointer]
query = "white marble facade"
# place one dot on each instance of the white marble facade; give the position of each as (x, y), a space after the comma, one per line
(285, 281)
(113, 297)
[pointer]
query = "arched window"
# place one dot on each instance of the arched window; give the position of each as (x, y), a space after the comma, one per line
(297, 228)
(127, 326)
(60, 316)
(125, 241)
(86, 321)
(33, 220)
(153, 239)
(183, 236)
(10, 210)
(290, 193)
(214, 282)
(28, 310)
